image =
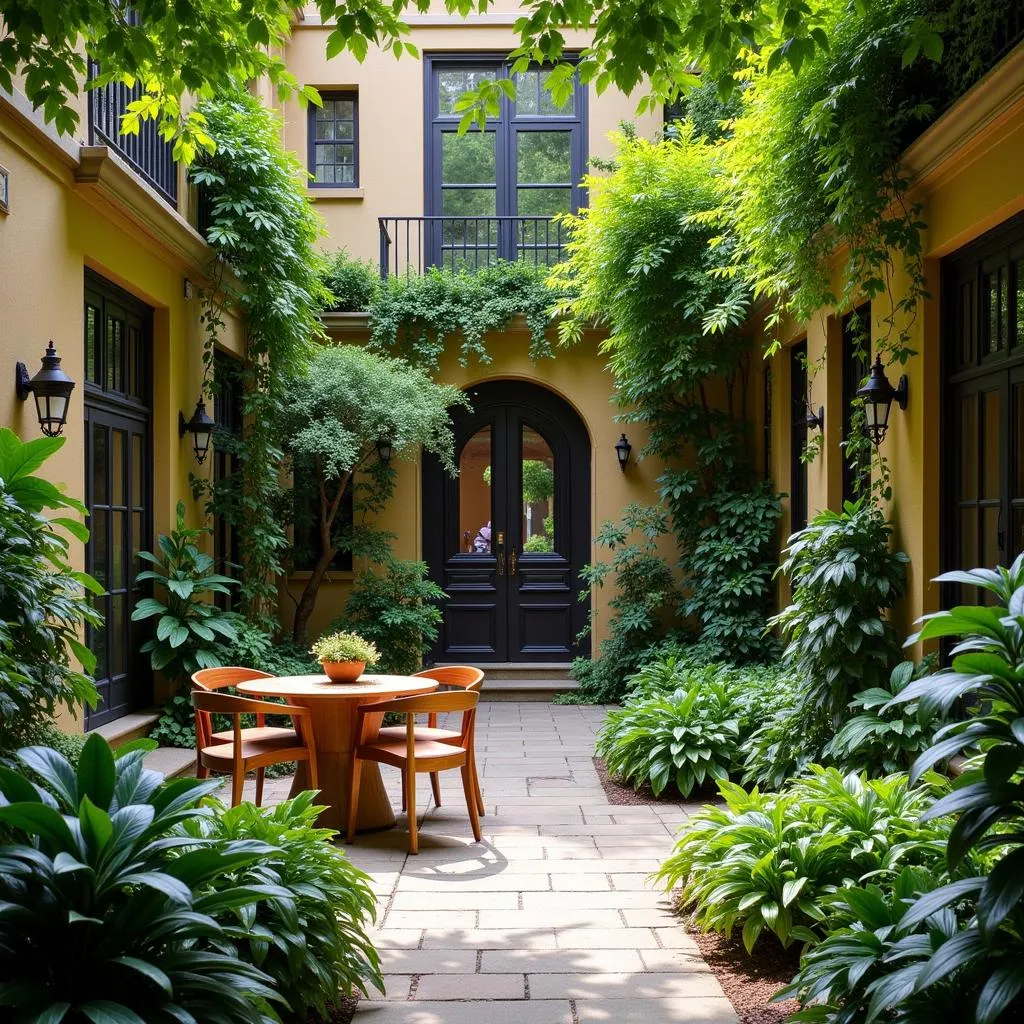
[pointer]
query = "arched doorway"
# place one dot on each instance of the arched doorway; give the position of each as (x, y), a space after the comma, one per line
(508, 537)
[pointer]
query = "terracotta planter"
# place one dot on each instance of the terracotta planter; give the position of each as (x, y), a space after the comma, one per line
(343, 671)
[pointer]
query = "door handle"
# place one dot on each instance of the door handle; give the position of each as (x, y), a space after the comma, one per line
(513, 568)
(499, 552)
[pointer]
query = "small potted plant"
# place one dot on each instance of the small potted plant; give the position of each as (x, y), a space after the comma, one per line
(344, 655)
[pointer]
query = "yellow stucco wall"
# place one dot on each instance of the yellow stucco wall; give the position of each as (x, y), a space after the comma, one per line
(391, 112)
(968, 179)
(55, 229)
(577, 375)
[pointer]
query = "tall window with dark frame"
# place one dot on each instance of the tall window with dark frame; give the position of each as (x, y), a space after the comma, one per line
(798, 437)
(227, 406)
(498, 189)
(334, 141)
(856, 343)
(306, 510)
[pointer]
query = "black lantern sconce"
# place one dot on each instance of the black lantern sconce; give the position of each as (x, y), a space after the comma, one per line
(201, 428)
(622, 450)
(878, 395)
(51, 387)
(815, 420)
(384, 450)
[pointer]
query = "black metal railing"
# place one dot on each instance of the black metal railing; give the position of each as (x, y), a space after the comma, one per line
(411, 245)
(147, 152)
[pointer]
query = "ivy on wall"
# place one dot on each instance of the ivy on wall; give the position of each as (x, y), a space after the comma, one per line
(264, 231)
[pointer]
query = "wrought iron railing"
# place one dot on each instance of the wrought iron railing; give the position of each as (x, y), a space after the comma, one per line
(410, 245)
(147, 152)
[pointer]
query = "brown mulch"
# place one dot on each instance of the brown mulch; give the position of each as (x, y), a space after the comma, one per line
(748, 981)
(624, 794)
(342, 1013)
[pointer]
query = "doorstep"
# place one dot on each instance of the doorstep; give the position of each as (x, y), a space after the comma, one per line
(171, 762)
(128, 727)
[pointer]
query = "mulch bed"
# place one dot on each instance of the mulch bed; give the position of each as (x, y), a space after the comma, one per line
(342, 1014)
(748, 981)
(624, 794)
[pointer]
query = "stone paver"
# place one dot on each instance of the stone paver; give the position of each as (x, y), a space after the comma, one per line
(550, 919)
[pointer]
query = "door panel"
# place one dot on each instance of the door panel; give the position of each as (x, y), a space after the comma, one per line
(507, 538)
(118, 468)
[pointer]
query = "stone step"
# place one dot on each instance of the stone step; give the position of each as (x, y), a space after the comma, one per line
(522, 669)
(526, 689)
(171, 762)
(128, 727)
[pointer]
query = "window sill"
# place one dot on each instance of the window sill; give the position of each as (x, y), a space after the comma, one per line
(336, 193)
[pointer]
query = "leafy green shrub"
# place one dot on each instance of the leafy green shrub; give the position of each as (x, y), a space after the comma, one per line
(68, 744)
(646, 590)
(844, 578)
(97, 866)
(353, 283)
(771, 861)
(312, 938)
(42, 605)
(988, 668)
(189, 630)
(398, 610)
(682, 738)
(883, 735)
(254, 647)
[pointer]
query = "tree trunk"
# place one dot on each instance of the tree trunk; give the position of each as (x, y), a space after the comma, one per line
(307, 600)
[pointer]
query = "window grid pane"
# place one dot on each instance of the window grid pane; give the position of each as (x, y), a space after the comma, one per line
(334, 139)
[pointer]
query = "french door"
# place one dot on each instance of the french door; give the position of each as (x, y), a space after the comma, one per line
(983, 292)
(118, 472)
(507, 538)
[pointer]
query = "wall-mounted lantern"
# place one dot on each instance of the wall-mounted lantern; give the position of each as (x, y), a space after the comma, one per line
(878, 395)
(384, 450)
(815, 420)
(51, 387)
(201, 428)
(622, 450)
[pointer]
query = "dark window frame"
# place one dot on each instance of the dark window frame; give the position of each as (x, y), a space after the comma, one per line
(506, 127)
(311, 139)
(856, 367)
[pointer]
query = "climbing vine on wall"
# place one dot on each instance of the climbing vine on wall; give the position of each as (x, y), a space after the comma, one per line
(642, 267)
(263, 230)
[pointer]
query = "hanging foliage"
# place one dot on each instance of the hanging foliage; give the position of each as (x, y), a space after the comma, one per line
(264, 232)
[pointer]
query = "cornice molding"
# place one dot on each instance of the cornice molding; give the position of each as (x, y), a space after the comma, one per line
(970, 126)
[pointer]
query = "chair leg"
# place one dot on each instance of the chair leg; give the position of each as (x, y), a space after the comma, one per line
(403, 789)
(314, 781)
(237, 782)
(435, 785)
(410, 809)
(471, 797)
(481, 810)
(353, 799)
(260, 772)
(202, 772)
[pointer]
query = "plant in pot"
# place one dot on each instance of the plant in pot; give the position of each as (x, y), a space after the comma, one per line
(344, 656)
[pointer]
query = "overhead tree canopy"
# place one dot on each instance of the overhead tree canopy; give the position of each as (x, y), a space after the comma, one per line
(203, 47)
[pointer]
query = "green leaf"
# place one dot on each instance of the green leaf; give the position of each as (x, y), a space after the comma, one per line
(105, 1011)
(96, 826)
(96, 774)
(39, 820)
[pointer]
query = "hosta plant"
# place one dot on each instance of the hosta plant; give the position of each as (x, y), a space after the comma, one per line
(189, 628)
(108, 914)
(684, 738)
(985, 677)
(312, 942)
(772, 861)
(881, 735)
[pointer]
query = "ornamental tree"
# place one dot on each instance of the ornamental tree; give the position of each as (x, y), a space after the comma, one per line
(340, 407)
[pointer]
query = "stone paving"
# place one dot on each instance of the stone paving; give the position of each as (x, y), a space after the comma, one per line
(549, 920)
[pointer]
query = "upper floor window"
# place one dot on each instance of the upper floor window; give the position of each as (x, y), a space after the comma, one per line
(334, 141)
(498, 188)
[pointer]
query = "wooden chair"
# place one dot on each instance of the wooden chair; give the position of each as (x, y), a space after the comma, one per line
(462, 677)
(412, 754)
(240, 756)
(212, 679)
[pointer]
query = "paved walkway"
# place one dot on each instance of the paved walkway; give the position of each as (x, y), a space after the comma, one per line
(550, 920)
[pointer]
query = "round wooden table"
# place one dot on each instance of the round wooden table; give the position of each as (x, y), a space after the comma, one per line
(333, 708)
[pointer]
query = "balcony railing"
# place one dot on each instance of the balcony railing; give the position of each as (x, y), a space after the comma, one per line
(147, 153)
(411, 245)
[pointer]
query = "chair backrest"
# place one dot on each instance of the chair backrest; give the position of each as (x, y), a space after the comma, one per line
(207, 703)
(229, 675)
(462, 677)
(433, 704)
